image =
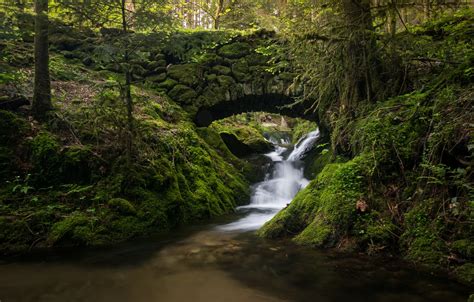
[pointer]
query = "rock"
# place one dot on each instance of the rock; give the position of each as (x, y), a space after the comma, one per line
(157, 78)
(168, 84)
(465, 274)
(221, 70)
(182, 94)
(153, 65)
(123, 206)
(187, 74)
(225, 81)
(235, 50)
(240, 71)
(64, 42)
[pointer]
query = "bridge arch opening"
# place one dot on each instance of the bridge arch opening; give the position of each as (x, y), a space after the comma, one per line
(271, 103)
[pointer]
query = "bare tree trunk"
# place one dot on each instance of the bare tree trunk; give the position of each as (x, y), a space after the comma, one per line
(427, 8)
(127, 94)
(42, 84)
(217, 17)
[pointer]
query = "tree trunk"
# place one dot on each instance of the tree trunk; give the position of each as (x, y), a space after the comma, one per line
(359, 53)
(217, 17)
(427, 8)
(42, 84)
(127, 94)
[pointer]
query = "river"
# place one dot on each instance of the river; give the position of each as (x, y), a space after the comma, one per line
(223, 261)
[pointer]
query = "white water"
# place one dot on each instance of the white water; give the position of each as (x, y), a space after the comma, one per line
(279, 187)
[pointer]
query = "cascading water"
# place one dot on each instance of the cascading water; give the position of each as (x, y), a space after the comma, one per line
(279, 187)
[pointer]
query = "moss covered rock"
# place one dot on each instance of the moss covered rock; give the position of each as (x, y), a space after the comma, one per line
(241, 71)
(222, 70)
(182, 94)
(235, 50)
(324, 212)
(186, 74)
(465, 274)
(123, 206)
(168, 84)
(76, 227)
(464, 247)
(158, 78)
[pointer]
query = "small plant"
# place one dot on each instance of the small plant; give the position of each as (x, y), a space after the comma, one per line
(21, 185)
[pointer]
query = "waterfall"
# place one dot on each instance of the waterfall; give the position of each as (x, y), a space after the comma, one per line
(304, 145)
(280, 186)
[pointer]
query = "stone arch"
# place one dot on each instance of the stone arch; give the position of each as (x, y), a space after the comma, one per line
(269, 102)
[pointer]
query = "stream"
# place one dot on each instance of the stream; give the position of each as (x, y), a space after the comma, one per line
(223, 261)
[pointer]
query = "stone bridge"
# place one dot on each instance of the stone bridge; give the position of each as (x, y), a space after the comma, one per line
(210, 74)
(231, 78)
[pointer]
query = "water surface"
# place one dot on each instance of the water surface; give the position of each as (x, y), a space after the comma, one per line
(223, 261)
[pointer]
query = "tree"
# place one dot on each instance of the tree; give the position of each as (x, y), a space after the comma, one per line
(42, 84)
(219, 9)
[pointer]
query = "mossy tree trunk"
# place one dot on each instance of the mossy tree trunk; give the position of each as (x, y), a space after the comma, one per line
(359, 49)
(42, 84)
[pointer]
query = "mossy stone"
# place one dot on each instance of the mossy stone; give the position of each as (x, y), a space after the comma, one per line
(221, 70)
(64, 42)
(182, 94)
(158, 78)
(186, 74)
(153, 65)
(464, 247)
(225, 81)
(65, 229)
(240, 71)
(235, 50)
(168, 84)
(123, 206)
(465, 274)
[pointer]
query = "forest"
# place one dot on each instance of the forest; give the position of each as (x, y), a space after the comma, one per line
(236, 150)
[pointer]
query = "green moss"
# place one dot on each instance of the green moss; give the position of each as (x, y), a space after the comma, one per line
(158, 78)
(375, 230)
(45, 156)
(240, 71)
(465, 274)
(123, 206)
(247, 135)
(464, 247)
(168, 84)
(77, 227)
(225, 81)
(12, 128)
(76, 163)
(222, 70)
(422, 240)
(324, 212)
(212, 94)
(182, 94)
(234, 50)
(187, 74)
